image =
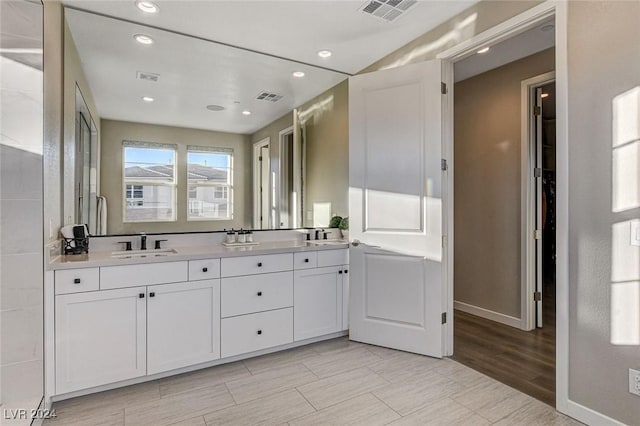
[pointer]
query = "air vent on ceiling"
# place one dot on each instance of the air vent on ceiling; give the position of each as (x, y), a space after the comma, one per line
(388, 10)
(267, 96)
(147, 76)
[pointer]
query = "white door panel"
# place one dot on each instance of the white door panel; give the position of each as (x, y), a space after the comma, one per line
(395, 202)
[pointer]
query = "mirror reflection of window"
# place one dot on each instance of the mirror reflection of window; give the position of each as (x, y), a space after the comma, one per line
(210, 182)
(150, 182)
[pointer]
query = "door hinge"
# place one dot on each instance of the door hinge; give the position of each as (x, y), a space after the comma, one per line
(260, 158)
(444, 318)
(443, 88)
(537, 110)
(443, 164)
(537, 172)
(537, 296)
(444, 241)
(537, 234)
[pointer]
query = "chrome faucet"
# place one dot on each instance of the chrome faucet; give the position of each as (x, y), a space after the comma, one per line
(143, 241)
(318, 231)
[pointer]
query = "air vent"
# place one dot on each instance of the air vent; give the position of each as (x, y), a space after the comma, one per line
(268, 96)
(387, 10)
(147, 76)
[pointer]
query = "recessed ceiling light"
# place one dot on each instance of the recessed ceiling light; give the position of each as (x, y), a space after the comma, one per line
(143, 39)
(246, 112)
(148, 99)
(544, 95)
(298, 74)
(325, 53)
(484, 50)
(215, 108)
(147, 6)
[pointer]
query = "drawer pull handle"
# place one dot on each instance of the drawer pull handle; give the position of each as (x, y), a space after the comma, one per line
(141, 295)
(259, 331)
(152, 294)
(259, 264)
(340, 271)
(205, 269)
(259, 293)
(76, 280)
(346, 271)
(306, 261)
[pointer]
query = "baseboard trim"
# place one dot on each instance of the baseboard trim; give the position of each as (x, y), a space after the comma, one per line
(486, 313)
(588, 416)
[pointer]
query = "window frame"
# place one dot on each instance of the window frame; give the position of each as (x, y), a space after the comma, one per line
(149, 182)
(229, 185)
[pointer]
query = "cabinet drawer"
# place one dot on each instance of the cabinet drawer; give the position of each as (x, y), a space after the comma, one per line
(255, 293)
(204, 269)
(248, 333)
(248, 265)
(77, 280)
(333, 257)
(146, 274)
(305, 260)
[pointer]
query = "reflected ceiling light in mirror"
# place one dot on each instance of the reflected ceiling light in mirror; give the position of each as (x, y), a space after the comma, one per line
(298, 74)
(325, 53)
(143, 39)
(215, 108)
(246, 112)
(547, 27)
(544, 95)
(148, 99)
(147, 6)
(484, 50)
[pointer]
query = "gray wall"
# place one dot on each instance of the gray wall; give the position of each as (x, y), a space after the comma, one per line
(114, 132)
(21, 244)
(487, 184)
(604, 63)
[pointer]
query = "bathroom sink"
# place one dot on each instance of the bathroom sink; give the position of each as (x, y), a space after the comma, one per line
(325, 242)
(135, 254)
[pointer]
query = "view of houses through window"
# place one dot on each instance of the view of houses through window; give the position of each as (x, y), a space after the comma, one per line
(150, 183)
(210, 184)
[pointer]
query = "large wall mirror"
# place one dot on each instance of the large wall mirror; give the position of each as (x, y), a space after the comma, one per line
(173, 133)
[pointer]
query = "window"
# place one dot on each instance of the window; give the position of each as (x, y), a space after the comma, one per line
(149, 182)
(210, 172)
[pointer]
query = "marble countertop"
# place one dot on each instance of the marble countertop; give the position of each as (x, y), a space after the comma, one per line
(96, 259)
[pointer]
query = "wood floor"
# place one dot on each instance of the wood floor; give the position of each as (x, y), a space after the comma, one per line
(524, 360)
(336, 382)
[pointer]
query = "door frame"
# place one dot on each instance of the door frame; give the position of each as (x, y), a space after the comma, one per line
(281, 134)
(257, 146)
(528, 199)
(509, 28)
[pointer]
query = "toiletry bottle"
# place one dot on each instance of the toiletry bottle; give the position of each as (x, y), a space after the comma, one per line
(249, 236)
(242, 236)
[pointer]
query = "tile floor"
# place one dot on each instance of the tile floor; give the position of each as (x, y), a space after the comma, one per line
(336, 382)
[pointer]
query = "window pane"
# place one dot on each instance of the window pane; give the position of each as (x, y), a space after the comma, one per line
(149, 203)
(209, 167)
(149, 164)
(209, 202)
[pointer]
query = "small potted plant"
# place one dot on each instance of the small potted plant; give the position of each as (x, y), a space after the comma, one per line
(344, 227)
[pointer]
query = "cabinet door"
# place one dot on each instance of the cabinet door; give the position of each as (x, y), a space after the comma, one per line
(183, 324)
(100, 338)
(345, 297)
(317, 302)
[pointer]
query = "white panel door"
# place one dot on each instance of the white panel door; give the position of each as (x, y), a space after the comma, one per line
(100, 338)
(317, 302)
(395, 203)
(183, 324)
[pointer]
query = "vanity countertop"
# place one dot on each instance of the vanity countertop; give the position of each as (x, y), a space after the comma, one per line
(96, 259)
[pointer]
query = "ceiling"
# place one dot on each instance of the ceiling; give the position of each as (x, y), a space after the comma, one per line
(275, 38)
(525, 44)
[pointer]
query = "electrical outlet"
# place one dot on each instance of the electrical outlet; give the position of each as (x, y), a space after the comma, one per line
(634, 381)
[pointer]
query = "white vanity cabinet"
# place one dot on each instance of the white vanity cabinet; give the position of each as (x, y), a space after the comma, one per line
(124, 322)
(321, 296)
(100, 337)
(183, 324)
